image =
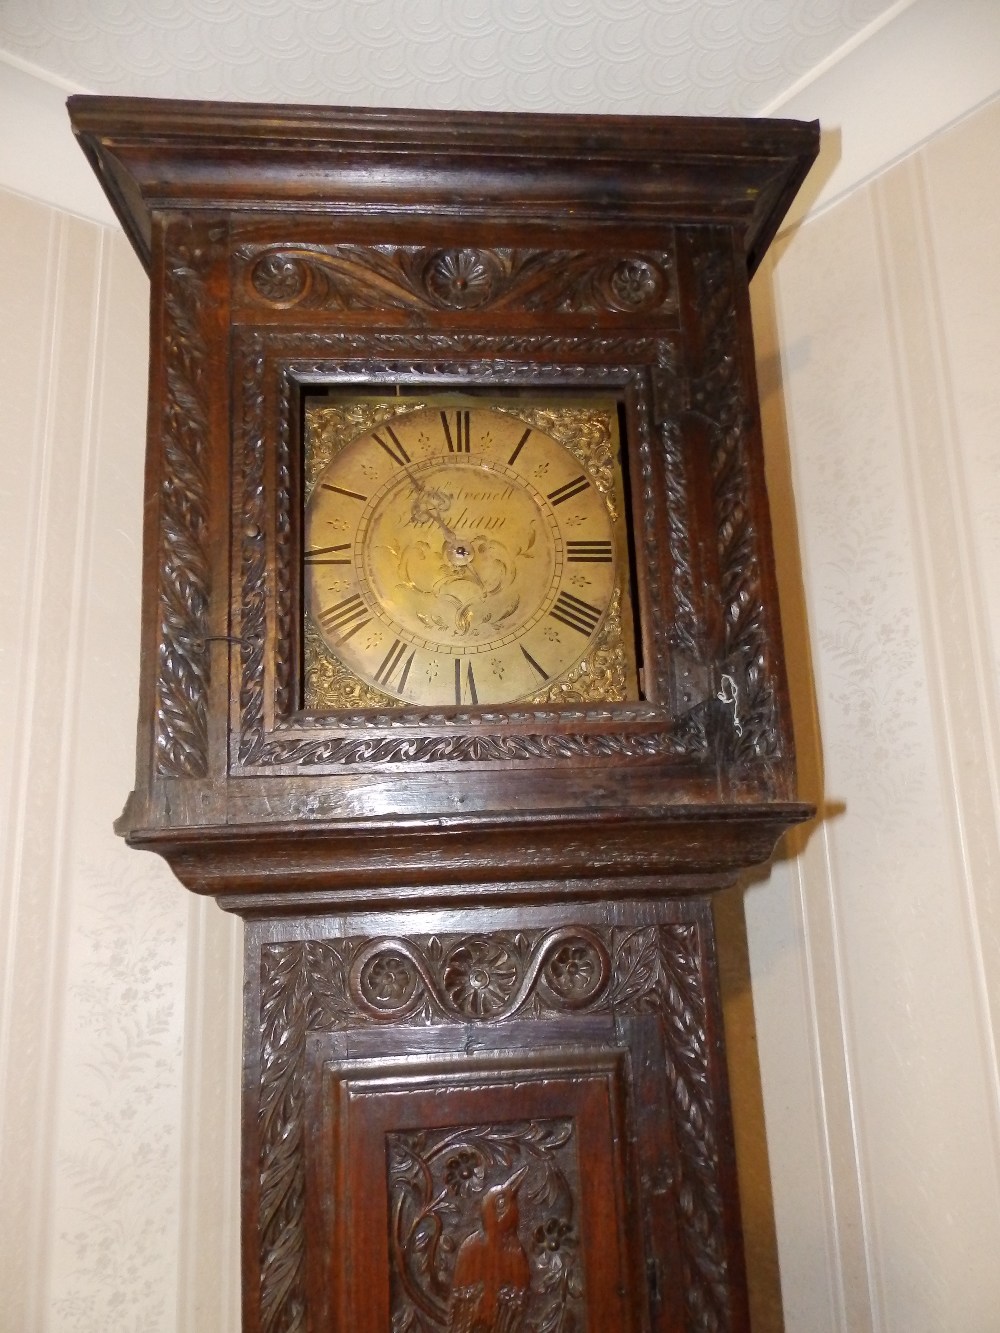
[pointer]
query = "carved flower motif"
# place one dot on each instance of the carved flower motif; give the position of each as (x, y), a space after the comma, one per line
(573, 969)
(282, 279)
(389, 979)
(479, 977)
(576, 973)
(465, 1173)
(634, 283)
(554, 1235)
(461, 279)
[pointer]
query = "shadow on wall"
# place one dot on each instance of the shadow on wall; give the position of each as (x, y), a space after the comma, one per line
(763, 1273)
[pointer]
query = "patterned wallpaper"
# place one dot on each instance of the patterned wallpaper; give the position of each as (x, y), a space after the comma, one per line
(119, 1024)
(881, 405)
(704, 57)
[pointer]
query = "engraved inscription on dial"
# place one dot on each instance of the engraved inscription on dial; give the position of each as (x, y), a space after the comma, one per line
(458, 557)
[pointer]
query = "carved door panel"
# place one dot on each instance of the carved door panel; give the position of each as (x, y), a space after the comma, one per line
(507, 1132)
(488, 1182)
(490, 1191)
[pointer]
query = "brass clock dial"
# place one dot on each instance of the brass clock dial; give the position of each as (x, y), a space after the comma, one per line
(460, 554)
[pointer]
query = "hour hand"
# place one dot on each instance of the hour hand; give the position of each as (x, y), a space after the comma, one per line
(427, 506)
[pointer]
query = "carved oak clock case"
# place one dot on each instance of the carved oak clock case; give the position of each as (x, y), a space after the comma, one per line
(462, 682)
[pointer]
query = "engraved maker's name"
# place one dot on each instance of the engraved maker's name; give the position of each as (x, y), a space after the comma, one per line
(475, 518)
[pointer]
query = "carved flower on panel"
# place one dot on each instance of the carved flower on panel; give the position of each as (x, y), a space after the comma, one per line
(634, 284)
(465, 1172)
(479, 977)
(389, 979)
(577, 972)
(554, 1245)
(281, 279)
(572, 969)
(554, 1235)
(461, 279)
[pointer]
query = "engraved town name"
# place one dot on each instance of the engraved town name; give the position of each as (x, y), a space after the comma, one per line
(478, 512)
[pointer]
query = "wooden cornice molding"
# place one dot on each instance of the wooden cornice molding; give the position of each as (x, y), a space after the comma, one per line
(153, 154)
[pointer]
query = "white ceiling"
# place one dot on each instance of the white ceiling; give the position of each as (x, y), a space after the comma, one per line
(685, 57)
(882, 76)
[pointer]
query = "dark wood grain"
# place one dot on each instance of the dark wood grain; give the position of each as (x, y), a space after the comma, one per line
(484, 1073)
(362, 1037)
(150, 154)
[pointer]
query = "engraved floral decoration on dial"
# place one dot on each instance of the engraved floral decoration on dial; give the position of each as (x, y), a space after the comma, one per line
(459, 555)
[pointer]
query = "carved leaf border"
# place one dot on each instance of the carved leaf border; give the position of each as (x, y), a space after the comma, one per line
(253, 555)
(181, 735)
(753, 732)
(641, 731)
(317, 986)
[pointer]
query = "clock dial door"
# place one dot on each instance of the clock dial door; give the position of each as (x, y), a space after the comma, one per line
(461, 556)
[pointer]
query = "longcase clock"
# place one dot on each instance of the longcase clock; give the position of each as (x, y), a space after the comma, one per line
(462, 682)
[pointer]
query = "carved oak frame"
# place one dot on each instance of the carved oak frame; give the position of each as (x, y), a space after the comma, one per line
(717, 709)
(651, 996)
(689, 719)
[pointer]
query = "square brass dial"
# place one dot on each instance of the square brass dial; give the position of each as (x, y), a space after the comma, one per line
(465, 551)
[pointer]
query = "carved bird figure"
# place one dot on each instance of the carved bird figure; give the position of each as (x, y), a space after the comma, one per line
(492, 1274)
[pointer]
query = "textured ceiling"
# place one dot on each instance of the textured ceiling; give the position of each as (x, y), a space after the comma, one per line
(684, 57)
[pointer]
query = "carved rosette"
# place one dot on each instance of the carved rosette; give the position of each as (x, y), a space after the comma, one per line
(462, 278)
(181, 735)
(415, 279)
(316, 986)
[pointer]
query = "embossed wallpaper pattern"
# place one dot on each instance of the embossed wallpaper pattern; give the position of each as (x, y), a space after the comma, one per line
(887, 917)
(704, 57)
(117, 987)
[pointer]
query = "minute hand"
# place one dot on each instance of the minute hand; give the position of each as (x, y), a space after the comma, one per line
(428, 505)
(461, 554)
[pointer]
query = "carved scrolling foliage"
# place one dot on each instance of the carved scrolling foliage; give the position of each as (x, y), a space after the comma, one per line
(479, 977)
(466, 748)
(416, 279)
(483, 1228)
(333, 985)
(184, 575)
